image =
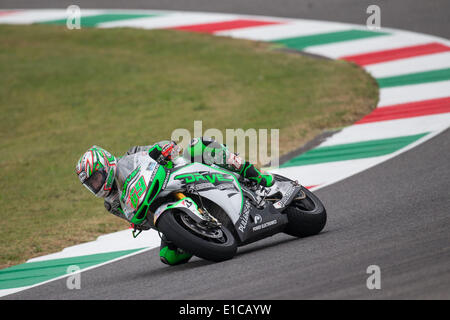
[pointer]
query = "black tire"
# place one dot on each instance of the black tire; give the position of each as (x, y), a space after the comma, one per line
(306, 217)
(171, 226)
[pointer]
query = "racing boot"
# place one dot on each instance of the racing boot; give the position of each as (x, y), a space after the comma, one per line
(262, 178)
(171, 255)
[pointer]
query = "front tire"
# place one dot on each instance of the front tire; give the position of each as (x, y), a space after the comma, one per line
(172, 226)
(306, 216)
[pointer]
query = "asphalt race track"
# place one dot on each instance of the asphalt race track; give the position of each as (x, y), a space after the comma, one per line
(394, 215)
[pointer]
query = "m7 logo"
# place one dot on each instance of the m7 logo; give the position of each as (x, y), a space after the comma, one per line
(136, 192)
(214, 178)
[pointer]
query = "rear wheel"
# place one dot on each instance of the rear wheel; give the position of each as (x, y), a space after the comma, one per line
(209, 243)
(306, 215)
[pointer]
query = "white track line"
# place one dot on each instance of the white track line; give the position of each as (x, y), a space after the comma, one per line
(362, 46)
(415, 92)
(281, 31)
(389, 129)
(382, 159)
(321, 173)
(424, 63)
(169, 21)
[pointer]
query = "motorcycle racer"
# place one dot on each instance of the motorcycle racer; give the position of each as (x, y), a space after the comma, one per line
(99, 171)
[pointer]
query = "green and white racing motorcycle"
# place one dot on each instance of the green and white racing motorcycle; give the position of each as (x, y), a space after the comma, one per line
(209, 211)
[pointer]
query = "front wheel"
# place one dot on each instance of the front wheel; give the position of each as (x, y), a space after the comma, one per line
(306, 215)
(214, 244)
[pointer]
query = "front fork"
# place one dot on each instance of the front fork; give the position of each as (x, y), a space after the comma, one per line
(208, 217)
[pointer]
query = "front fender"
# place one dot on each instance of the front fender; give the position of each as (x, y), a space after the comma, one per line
(186, 205)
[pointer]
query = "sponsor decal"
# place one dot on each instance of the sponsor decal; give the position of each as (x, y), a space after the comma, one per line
(214, 178)
(155, 170)
(225, 186)
(244, 217)
(203, 186)
(282, 203)
(265, 225)
(235, 161)
(187, 203)
(277, 205)
(127, 182)
(166, 179)
(151, 166)
(136, 193)
(209, 186)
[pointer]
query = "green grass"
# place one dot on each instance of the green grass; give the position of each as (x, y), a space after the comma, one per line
(62, 91)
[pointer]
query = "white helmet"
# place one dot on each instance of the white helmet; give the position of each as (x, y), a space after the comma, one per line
(96, 170)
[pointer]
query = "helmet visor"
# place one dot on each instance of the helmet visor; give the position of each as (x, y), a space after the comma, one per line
(95, 182)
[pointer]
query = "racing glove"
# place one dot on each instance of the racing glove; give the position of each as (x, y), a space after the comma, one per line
(170, 150)
(165, 153)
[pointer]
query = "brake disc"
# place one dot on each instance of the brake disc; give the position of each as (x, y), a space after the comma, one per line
(206, 231)
(301, 196)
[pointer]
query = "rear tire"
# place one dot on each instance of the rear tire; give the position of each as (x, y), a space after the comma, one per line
(174, 229)
(306, 217)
